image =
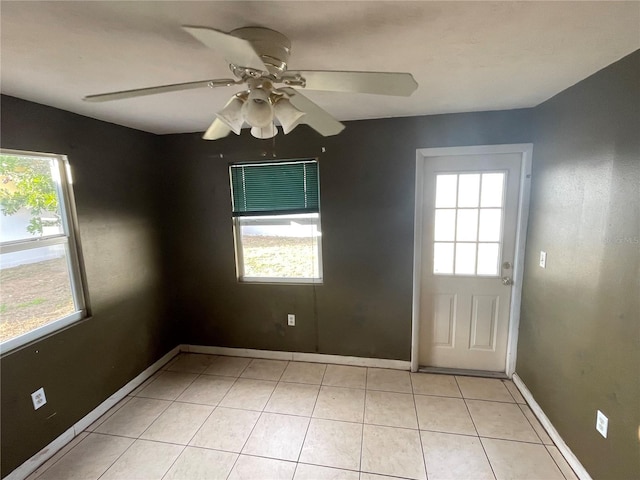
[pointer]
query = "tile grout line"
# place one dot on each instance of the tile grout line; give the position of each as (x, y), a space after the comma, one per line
(476, 429)
(310, 418)
(415, 407)
(199, 374)
(208, 416)
(261, 411)
(533, 427)
(510, 394)
(364, 414)
(124, 401)
(254, 425)
(64, 455)
(546, 447)
(163, 370)
(135, 439)
(119, 457)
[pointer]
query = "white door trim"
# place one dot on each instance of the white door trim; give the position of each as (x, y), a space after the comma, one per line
(422, 156)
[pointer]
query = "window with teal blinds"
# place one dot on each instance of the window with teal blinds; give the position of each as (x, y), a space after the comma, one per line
(275, 188)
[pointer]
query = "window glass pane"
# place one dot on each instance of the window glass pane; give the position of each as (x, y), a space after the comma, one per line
(490, 225)
(446, 188)
(280, 246)
(469, 190)
(467, 225)
(488, 260)
(445, 227)
(465, 258)
(443, 258)
(492, 186)
(29, 198)
(35, 289)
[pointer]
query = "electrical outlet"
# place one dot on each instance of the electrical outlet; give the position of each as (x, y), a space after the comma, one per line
(602, 423)
(38, 398)
(291, 320)
(543, 259)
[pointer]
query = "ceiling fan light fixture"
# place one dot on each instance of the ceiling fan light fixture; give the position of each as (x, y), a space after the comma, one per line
(288, 115)
(232, 115)
(258, 110)
(269, 131)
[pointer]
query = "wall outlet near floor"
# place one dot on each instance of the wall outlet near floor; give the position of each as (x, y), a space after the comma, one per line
(38, 398)
(602, 423)
(291, 320)
(543, 259)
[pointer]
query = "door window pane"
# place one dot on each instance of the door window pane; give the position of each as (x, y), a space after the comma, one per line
(467, 225)
(446, 188)
(445, 229)
(468, 213)
(488, 258)
(468, 190)
(492, 187)
(465, 259)
(490, 225)
(443, 258)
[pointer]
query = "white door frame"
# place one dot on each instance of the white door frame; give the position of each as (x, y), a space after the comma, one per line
(422, 156)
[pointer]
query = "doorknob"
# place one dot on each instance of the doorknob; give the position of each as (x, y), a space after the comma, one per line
(507, 281)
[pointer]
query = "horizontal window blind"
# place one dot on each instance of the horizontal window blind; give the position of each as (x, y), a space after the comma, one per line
(275, 188)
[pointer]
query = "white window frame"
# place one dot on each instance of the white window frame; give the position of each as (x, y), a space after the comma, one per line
(69, 238)
(239, 249)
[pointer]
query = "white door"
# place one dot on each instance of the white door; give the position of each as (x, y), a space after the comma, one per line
(470, 209)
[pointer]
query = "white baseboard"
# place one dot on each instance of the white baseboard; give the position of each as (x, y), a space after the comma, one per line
(299, 357)
(31, 465)
(566, 452)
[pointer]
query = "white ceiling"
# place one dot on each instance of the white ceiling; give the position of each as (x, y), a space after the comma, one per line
(466, 56)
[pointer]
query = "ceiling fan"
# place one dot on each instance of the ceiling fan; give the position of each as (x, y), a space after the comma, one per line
(258, 59)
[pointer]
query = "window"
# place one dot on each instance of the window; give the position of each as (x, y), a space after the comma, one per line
(468, 224)
(276, 213)
(40, 285)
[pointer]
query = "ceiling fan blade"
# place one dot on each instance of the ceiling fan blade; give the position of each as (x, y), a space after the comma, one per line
(316, 117)
(216, 130)
(140, 92)
(380, 83)
(236, 50)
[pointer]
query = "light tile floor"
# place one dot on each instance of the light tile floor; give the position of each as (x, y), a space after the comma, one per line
(214, 417)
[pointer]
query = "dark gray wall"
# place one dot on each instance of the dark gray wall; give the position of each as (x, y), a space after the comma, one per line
(579, 347)
(367, 196)
(115, 178)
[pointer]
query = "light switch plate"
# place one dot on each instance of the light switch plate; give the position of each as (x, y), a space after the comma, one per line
(543, 259)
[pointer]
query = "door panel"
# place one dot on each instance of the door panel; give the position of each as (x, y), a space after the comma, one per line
(444, 314)
(484, 321)
(469, 229)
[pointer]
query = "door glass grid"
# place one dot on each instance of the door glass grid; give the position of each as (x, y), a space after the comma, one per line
(468, 217)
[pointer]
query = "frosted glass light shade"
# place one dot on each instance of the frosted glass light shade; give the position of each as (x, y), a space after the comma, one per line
(269, 131)
(257, 110)
(288, 115)
(231, 115)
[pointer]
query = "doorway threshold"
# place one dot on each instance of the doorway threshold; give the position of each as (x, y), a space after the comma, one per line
(463, 372)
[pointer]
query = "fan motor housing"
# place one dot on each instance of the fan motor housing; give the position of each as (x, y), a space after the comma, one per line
(271, 46)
